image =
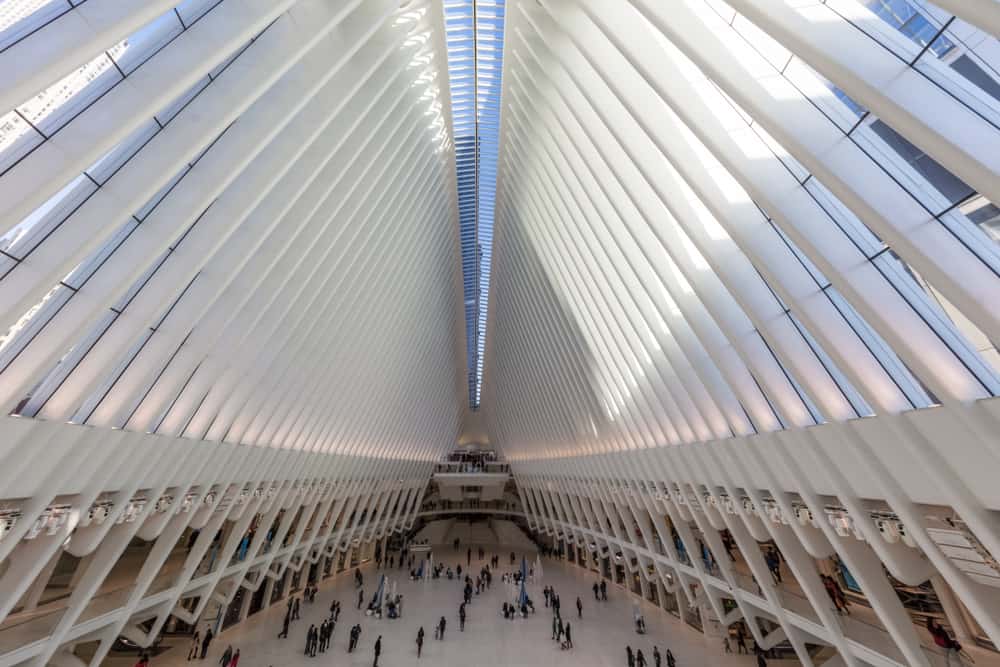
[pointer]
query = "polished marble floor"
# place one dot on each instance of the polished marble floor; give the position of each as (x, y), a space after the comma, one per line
(600, 637)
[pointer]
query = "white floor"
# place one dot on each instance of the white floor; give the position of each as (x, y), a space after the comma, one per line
(599, 637)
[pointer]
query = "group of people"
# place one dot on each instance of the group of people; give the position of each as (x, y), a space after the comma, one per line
(318, 639)
(230, 658)
(638, 659)
(199, 645)
(601, 590)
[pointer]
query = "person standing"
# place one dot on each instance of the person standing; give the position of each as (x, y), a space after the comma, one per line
(226, 656)
(629, 656)
(555, 626)
(461, 617)
(656, 656)
(195, 645)
(361, 598)
(741, 640)
(235, 660)
(604, 589)
(597, 592)
(206, 642)
(579, 607)
(773, 564)
(295, 609)
(441, 625)
(378, 650)
(569, 637)
(671, 662)
(420, 640)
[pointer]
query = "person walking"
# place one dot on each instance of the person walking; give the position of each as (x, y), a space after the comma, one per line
(361, 598)
(206, 642)
(378, 650)
(226, 656)
(461, 617)
(579, 607)
(284, 625)
(555, 627)
(604, 589)
(420, 640)
(235, 660)
(309, 640)
(295, 609)
(629, 656)
(671, 662)
(597, 591)
(640, 659)
(569, 637)
(441, 626)
(656, 656)
(195, 645)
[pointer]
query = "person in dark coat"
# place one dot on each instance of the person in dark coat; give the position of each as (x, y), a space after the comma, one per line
(420, 640)
(629, 657)
(441, 625)
(579, 607)
(226, 656)
(569, 637)
(206, 642)
(378, 650)
(671, 662)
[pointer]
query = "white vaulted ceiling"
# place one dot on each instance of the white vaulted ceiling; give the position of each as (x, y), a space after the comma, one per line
(742, 250)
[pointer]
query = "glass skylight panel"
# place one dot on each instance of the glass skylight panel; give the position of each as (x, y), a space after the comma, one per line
(18, 18)
(474, 35)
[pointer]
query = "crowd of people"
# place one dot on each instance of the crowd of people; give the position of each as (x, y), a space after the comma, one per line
(517, 604)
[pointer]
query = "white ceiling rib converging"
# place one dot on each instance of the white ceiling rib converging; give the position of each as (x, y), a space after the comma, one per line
(707, 274)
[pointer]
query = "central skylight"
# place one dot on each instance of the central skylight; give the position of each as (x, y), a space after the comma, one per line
(474, 32)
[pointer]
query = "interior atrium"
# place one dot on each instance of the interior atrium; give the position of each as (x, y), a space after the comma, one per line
(697, 300)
